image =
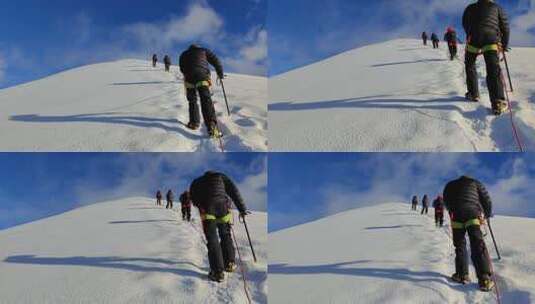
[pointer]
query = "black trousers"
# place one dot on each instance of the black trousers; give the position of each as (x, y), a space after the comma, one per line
(439, 219)
(169, 204)
(494, 81)
(425, 41)
(219, 242)
(167, 66)
(425, 209)
(435, 44)
(480, 255)
(158, 201)
(207, 106)
(453, 51)
(186, 213)
(414, 207)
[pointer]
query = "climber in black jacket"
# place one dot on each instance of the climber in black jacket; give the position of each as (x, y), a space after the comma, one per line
(213, 194)
(195, 66)
(469, 204)
(487, 32)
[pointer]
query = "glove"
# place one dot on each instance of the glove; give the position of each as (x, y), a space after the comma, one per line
(244, 213)
(221, 76)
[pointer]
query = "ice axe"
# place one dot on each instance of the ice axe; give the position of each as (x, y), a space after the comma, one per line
(248, 236)
(507, 68)
(224, 95)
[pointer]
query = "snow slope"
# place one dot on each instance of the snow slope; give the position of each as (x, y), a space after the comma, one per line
(126, 106)
(388, 254)
(124, 251)
(396, 96)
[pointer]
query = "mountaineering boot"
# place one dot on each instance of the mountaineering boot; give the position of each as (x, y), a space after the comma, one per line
(192, 125)
(214, 132)
(500, 107)
(216, 276)
(463, 279)
(469, 97)
(486, 285)
(230, 267)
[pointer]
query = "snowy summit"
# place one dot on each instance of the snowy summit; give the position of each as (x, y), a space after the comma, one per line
(127, 106)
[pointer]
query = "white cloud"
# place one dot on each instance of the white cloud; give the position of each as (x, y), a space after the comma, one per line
(253, 189)
(200, 23)
(523, 25)
(252, 55)
(513, 193)
(396, 179)
(143, 175)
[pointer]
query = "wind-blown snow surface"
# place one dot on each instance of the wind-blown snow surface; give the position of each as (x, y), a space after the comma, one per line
(389, 254)
(396, 96)
(126, 106)
(125, 251)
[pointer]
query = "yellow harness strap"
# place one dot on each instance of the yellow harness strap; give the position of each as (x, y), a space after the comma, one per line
(227, 219)
(484, 49)
(459, 225)
(204, 83)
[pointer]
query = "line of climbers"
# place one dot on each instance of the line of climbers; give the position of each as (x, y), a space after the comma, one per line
(469, 206)
(213, 194)
(487, 33)
(195, 66)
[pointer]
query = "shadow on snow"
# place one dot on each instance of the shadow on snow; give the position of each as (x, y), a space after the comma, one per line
(109, 118)
(377, 102)
(130, 264)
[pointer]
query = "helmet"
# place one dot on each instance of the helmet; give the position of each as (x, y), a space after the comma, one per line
(450, 29)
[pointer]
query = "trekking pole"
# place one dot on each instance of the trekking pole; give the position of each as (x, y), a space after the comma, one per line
(241, 266)
(494, 239)
(249, 237)
(224, 95)
(508, 72)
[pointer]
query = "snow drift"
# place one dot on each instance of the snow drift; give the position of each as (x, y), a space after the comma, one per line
(389, 254)
(396, 96)
(126, 106)
(124, 251)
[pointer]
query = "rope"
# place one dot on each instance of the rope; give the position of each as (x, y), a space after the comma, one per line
(513, 125)
(220, 141)
(496, 288)
(241, 266)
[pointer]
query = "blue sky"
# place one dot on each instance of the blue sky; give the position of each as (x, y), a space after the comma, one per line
(41, 38)
(307, 186)
(305, 31)
(37, 185)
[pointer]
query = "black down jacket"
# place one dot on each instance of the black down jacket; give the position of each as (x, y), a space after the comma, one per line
(467, 198)
(213, 192)
(485, 22)
(194, 64)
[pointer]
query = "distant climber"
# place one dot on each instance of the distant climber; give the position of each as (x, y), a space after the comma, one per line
(154, 60)
(438, 205)
(185, 203)
(158, 198)
(170, 197)
(435, 40)
(424, 38)
(451, 39)
(469, 205)
(167, 63)
(487, 32)
(414, 203)
(194, 65)
(425, 204)
(213, 193)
